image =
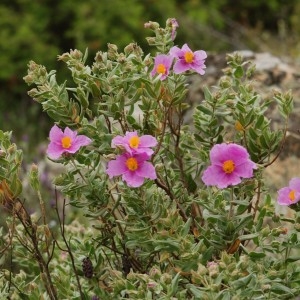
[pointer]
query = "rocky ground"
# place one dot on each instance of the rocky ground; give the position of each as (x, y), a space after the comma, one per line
(271, 73)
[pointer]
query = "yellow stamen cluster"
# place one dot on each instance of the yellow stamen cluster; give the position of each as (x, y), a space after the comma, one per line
(228, 166)
(132, 164)
(134, 141)
(66, 142)
(292, 195)
(189, 57)
(161, 69)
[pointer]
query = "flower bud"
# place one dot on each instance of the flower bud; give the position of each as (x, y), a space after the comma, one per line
(213, 269)
(12, 149)
(151, 284)
(76, 54)
(155, 273)
(112, 52)
(225, 82)
(166, 278)
(29, 79)
(202, 270)
(32, 66)
(151, 25)
(151, 40)
(297, 227)
(265, 232)
(64, 57)
(34, 177)
(266, 287)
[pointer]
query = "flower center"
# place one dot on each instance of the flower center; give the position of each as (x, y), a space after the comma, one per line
(228, 166)
(292, 195)
(161, 69)
(134, 141)
(189, 57)
(132, 164)
(66, 142)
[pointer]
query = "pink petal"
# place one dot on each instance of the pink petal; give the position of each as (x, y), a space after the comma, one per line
(180, 66)
(132, 179)
(197, 69)
(245, 170)
(82, 140)
(295, 184)
(214, 175)
(146, 151)
(148, 141)
(223, 152)
(56, 134)
(70, 133)
(77, 142)
(198, 66)
(185, 48)
(116, 167)
(118, 140)
(54, 151)
(200, 55)
(176, 52)
(283, 196)
(141, 157)
(130, 134)
(146, 170)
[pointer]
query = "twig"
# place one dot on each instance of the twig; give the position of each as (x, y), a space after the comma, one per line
(62, 230)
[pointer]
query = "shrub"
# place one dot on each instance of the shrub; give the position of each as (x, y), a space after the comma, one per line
(162, 209)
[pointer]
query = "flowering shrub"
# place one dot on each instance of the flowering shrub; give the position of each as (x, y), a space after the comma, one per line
(161, 209)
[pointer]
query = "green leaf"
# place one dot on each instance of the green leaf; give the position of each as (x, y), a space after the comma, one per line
(242, 282)
(207, 94)
(256, 255)
(248, 236)
(204, 109)
(279, 288)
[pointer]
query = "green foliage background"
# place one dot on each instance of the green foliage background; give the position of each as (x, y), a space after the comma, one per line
(44, 29)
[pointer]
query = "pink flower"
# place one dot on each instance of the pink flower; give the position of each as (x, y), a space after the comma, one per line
(132, 143)
(133, 167)
(65, 142)
(229, 163)
(188, 60)
(290, 194)
(162, 65)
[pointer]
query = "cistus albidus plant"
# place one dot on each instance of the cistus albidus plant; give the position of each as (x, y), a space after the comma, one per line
(149, 206)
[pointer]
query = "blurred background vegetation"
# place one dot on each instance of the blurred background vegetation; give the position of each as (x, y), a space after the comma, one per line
(40, 30)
